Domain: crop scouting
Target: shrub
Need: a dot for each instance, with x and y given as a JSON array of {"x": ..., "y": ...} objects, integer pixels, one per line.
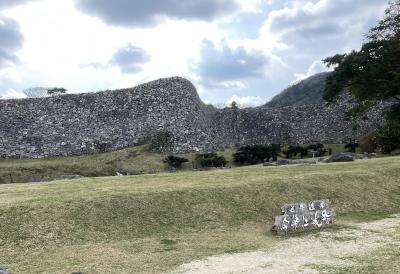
[
  {"x": 351, "y": 147},
  {"x": 368, "y": 143},
  {"x": 161, "y": 141},
  {"x": 319, "y": 148},
  {"x": 293, "y": 151},
  {"x": 211, "y": 160},
  {"x": 101, "y": 146},
  {"x": 175, "y": 162},
  {"x": 388, "y": 137},
  {"x": 256, "y": 154}
]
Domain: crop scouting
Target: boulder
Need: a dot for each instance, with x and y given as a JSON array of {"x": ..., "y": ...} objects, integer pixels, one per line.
[
  {"x": 322, "y": 159},
  {"x": 341, "y": 157},
  {"x": 395, "y": 152}
]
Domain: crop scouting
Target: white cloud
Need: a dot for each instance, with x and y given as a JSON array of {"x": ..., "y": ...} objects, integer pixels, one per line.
[
  {"x": 151, "y": 12},
  {"x": 246, "y": 101},
  {"x": 292, "y": 35},
  {"x": 314, "y": 68},
  {"x": 13, "y": 94}
]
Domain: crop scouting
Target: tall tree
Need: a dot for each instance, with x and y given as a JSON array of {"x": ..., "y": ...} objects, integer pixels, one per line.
[{"x": 373, "y": 73}]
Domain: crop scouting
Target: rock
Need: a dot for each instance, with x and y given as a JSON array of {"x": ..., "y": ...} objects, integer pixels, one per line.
[
  {"x": 122, "y": 173},
  {"x": 322, "y": 159},
  {"x": 4, "y": 270},
  {"x": 341, "y": 157},
  {"x": 361, "y": 155},
  {"x": 395, "y": 152},
  {"x": 283, "y": 162}
]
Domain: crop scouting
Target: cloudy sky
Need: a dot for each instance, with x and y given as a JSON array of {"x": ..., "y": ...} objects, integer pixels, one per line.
[{"x": 242, "y": 50}]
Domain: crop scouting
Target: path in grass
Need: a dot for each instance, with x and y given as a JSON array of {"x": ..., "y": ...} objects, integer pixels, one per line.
[{"x": 324, "y": 252}]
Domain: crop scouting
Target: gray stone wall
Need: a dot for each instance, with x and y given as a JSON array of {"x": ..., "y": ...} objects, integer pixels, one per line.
[{"x": 75, "y": 124}]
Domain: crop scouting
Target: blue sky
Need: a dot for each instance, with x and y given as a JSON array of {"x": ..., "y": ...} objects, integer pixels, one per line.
[{"x": 242, "y": 50}]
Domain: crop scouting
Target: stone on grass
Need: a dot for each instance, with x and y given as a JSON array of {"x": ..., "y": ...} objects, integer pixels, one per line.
[{"x": 395, "y": 152}]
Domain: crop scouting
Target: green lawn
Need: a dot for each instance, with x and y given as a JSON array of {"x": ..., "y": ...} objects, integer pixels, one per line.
[
  {"x": 153, "y": 223},
  {"x": 135, "y": 160}
]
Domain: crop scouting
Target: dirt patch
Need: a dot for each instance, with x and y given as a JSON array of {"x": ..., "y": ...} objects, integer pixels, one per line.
[{"x": 298, "y": 255}]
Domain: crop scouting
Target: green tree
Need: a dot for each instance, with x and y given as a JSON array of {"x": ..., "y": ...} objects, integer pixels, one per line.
[
  {"x": 257, "y": 154},
  {"x": 319, "y": 148},
  {"x": 211, "y": 160},
  {"x": 351, "y": 147},
  {"x": 174, "y": 161},
  {"x": 373, "y": 73}
]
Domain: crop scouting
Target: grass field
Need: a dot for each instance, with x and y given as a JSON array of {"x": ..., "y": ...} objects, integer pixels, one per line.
[
  {"x": 135, "y": 160},
  {"x": 153, "y": 223}
]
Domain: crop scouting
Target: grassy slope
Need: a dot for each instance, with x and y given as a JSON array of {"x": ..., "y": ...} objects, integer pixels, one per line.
[
  {"x": 156, "y": 222},
  {"x": 136, "y": 160}
]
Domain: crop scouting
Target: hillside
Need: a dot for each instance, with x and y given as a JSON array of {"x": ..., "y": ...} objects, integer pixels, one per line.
[
  {"x": 154, "y": 223},
  {"x": 306, "y": 92}
]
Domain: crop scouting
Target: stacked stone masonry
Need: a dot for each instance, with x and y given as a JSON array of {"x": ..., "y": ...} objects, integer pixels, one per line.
[{"x": 75, "y": 124}]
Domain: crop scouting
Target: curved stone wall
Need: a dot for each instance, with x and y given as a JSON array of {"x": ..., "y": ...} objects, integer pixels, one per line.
[{"x": 75, "y": 124}]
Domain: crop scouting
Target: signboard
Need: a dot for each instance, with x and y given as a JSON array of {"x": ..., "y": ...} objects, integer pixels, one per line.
[{"x": 304, "y": 216}]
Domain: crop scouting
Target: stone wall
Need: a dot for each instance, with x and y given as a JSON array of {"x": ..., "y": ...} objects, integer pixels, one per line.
[{"x": 75, "y": 124}]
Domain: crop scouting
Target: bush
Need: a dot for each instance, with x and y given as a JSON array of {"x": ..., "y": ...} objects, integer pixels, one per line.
[
  {"x": 368, "y": 143},
  {"x": 161, "y": 141},
  {"x": 256, "y": 154},
  {"x": 175, "y": 162},
  {"x": 211, "y": 160},
  {"x": 388, "y": 137},
  {"x": 351, "y": 147},
  {"x": 319, "y": 148},
  {"x": 293, "y": 151},
  {"x": 101, "y": 146}
]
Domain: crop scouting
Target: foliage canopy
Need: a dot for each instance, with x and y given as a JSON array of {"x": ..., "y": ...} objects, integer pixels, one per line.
[{"x": 372, "y": 73}]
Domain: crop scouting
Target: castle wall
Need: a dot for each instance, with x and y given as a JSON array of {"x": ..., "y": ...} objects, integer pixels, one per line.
[{"x": 75, "y": 124}]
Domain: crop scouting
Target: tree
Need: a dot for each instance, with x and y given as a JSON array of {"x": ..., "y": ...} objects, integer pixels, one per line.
[
  {"x": 234, "y": 105},
  {"x": 373, "y": 73},
  {"x": 319, "y": 148},
  {"x": 257, "y": 154},
  {"x": 211, "y": 160},
  {"x": 292, "y": 151},
  {"x": 175, "y": 162},
  {"x": 275, "y": 150},
  {"x": 351, "y": 147}
]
